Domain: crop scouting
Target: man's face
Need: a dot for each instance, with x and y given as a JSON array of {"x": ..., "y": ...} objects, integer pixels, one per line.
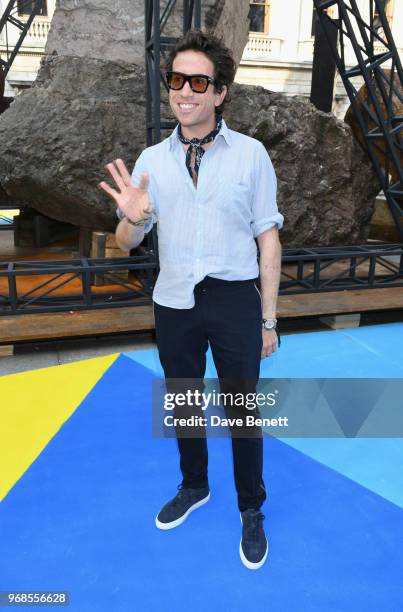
[{"x": 195, "y": 111}]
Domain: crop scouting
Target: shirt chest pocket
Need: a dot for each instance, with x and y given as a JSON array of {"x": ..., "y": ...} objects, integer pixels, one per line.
[{"x": 235, "y": 198}]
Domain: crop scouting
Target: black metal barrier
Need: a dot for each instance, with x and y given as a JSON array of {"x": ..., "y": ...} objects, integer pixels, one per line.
[
  {"x": 307, "y": 270},
  {"x": 39, "y": 298}
]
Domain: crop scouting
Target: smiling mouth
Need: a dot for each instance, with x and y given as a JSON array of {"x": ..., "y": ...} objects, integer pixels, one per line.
[{"x": 186, "y": 107}]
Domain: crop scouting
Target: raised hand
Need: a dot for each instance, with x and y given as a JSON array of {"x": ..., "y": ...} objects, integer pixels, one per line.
[{"x": 133, "y": 201}]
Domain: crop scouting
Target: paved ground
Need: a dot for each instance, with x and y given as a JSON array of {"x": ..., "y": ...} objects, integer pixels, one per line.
[
  {"x": 80, "y": 451},
  {"x": 37, "y": 355}
]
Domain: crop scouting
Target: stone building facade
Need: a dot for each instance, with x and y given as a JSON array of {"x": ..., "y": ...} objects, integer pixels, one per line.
[{"x": 278, "y": 55}]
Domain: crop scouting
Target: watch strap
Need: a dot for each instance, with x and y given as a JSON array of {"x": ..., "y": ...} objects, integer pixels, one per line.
[{"x": 272, "y": 323}]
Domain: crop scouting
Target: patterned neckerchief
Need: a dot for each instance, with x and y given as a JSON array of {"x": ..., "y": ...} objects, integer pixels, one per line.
[{"x": 195, "y": 147}]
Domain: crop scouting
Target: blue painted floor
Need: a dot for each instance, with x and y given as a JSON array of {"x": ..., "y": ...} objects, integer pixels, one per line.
[{"x": 81, "y": 519}]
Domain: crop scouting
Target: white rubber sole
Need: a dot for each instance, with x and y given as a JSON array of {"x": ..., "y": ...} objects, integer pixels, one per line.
[
  {"x": 183, "y": 518},
  {"x": 248, "y": 564}
]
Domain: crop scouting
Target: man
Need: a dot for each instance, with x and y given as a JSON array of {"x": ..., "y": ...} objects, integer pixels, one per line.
[{"x": 212, "y": 191}]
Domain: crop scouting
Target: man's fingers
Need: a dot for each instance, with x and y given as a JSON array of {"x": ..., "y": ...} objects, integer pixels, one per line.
[
  {"x": 269, "y": 350},
  {"x": 112, "y": 192},
  {"x": 124, "y": 173},
  {"x": 143, "y": 181},
  {"x": 269, "y": 346},
  {"x": 115, "y": 174}
]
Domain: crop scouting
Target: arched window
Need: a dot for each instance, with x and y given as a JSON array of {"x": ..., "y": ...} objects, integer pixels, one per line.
[
  {"x": 25, "y": 7},
  {"x": 259, "y": 12}
]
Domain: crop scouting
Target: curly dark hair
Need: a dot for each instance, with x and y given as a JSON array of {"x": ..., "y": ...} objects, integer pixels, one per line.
[{"x": 216, "y": 51}]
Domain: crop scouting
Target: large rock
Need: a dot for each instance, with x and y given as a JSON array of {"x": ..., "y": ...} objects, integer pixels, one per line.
[
  {"x": 79, "y": 115},
  {"x": 85, "y": 110},
  {"x": 87, "y": 105},
  {"x": 326, "y": 184},
  {"x": 114, "y": 31},
  {"x": 82, "y": 113}
]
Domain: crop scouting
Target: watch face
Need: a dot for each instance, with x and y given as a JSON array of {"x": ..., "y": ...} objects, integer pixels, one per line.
[{"x": 269, "y": 324}]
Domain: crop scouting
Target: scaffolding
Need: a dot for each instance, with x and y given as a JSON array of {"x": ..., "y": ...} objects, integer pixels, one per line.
[
  {"x": 11, "y": 17},
  {"x": 377, "y": 115}
]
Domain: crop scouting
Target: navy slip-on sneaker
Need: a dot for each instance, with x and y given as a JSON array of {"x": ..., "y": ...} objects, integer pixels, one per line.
[
  {"x": 253, "y": 548},
  {"x": 178, "y": 509}
]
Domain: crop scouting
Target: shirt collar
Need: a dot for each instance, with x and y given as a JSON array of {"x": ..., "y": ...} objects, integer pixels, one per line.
[{"x": 224, "y": 132}]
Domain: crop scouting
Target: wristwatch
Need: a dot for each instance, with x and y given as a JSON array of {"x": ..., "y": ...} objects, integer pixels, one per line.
[{"x": 269, "y": 323}]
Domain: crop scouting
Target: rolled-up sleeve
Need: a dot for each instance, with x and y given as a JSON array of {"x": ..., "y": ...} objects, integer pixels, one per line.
[
  {"x": 264, "y": 204},
  {"x": 139, "y": 168}
]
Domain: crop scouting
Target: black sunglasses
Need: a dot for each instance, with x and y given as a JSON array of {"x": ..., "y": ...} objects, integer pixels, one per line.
[{"x": 198, "y": 82}]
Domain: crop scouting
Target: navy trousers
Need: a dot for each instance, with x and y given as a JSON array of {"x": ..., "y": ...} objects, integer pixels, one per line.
[{"x": 227, "y": 315}]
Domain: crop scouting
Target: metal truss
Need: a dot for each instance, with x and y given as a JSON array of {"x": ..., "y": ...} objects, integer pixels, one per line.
[
  {"x": 156, "y": 19},
  {"x": 377, "y": 117},
  {"x": 304, "y": 271},
  {"x": 10, "y": 16},
  {"x": 325, "y": 269},
  {"x": 155, "y": 45},
  {"x": 57, "y": 274}
]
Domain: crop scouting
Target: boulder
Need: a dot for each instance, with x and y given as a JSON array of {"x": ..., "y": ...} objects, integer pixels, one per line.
[
  {"x": 114, "y": 31},
  {"x": 59, "y": 134},
  {"x": 326, "y": 184},
  {"x": 87, "y": 107}
]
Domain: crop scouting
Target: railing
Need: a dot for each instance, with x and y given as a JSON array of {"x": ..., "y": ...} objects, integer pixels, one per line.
[
  {"x": 39, "y": 30},
  {"x": 49, "y": 280},
  {"x": 14, "y": 28},
  {"x": 323, "y": 269},
  {"x": 305, "y": 270},
  {"x": 262, "y": 46},
  {"x": 36, "y": 35}
]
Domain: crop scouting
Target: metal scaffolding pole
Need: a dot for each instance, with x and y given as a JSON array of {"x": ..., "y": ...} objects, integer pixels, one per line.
[
  {"x": 155, "y": 44},
  {"x": 380, "y": 125},
  {"x": 10, "y": 17}
]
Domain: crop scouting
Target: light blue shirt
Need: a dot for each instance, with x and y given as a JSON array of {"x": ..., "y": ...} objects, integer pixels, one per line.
[{"x": 208, "y": 230}]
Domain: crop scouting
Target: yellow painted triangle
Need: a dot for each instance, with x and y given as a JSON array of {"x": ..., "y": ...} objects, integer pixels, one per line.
[
  {"x": 9, "y": 214},
  {"x": 33, "y": 407}
]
